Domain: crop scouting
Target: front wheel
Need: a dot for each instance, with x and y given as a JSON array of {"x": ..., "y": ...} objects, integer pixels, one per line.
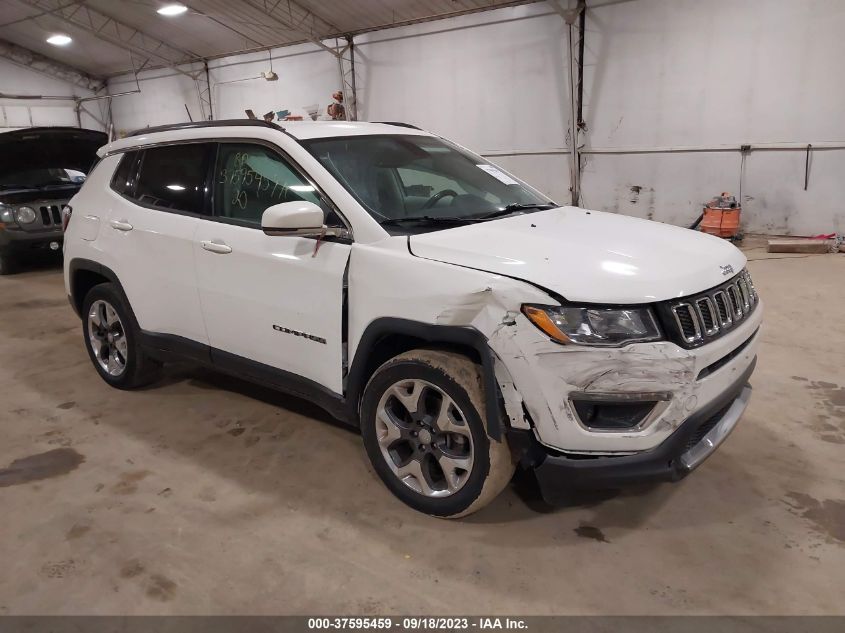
[
  {"x": 7, "y": 265},
  {"x": 423, "y": 429}
]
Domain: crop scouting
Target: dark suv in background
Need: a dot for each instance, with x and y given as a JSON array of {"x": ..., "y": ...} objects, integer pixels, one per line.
[{"x": 40, "y": 170}]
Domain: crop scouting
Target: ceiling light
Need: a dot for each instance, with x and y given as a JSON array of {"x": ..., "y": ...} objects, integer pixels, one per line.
[
  {"x": 59, "y": 40},
  {"x": 172, "y": 9}
]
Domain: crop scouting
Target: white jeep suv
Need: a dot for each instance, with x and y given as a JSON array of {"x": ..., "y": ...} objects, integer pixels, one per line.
[{"x": 465, "y": 322}]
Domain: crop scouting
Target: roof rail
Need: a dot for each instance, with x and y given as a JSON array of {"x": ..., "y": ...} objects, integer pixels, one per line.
[
  {"x": 399, "y": 124},
  {"x": 202, "y": 124}
]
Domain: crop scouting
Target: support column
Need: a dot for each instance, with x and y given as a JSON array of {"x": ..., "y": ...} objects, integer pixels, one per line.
[
  {"x": 575, "y": 39},
  {"x": 346, "y": 66},
  {"x": 203, "y": 83}
]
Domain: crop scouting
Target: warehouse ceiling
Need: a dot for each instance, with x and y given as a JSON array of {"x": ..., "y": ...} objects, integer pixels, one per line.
[{"x": 114, "y": 36}]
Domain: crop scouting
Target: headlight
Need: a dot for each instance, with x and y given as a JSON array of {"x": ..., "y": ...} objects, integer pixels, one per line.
[
  {"x": 594, "y": 325},
  {"x": 25, "y": 215},
  {"x": 6, "y": 215}
]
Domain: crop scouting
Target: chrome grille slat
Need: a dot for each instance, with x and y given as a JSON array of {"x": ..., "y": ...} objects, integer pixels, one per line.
[
  {"x": 751, "y": 289},
  {"x": 725, "y": 317},
  {"x": 687, "y": 321},
  {"x": 746, "y": 296},
  {"x": 706, "y": 316},
  {"x": 736, "y": 304},
  {"x": 707, "y": 313}
]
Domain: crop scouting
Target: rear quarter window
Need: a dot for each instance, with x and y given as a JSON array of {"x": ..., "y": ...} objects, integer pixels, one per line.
[{"x": 121, "y": 182}]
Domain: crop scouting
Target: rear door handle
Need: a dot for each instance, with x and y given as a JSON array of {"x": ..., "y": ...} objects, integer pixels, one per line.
[
  {"x": 215, "y": 246},
  {"x": 121, "y": 225}
]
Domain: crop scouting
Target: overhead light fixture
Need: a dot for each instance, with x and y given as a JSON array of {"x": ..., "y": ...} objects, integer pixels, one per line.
[
  {"x": 270, "y": 75},
  {"x": 59, "y": 39},
  {"x": 171, "y": 10}
]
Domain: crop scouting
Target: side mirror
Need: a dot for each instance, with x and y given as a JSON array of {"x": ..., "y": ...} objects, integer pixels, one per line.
[
  {"x": 298, "y": 219},
  {"x": 291, "y": 218}
]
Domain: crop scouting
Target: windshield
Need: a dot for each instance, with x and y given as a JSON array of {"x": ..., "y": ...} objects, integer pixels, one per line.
[
  {"x": 41, "y": 178},
  {"x": 402, "y": 180}
]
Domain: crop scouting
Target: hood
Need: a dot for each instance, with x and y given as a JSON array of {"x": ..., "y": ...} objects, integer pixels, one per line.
[
  {"x": 47, "y": 147},
  {"x": 589, "y": 256},
  {"x": 38, "y": 195}
]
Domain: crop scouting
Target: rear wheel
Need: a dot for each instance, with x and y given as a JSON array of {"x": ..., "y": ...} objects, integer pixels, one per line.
[
  {"x": 111, "y": 339},
  {"x": 423, "y": 429}
]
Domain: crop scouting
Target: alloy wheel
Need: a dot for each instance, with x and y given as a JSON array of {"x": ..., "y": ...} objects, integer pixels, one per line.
[
  {"x": 424, "y": 437},
  {"x": 107, "y": 338}
]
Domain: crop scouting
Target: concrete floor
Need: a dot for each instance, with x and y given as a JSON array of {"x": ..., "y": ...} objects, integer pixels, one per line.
[{"x": 206, "y": 495}]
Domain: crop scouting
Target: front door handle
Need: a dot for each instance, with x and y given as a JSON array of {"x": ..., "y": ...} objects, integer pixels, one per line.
[
  {"x": 215, "y": 246},
  {"x": 121, "y": 225}
]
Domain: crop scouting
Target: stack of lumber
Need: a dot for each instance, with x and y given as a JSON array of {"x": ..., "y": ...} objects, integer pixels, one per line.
[{"x": 800, "y": 245}]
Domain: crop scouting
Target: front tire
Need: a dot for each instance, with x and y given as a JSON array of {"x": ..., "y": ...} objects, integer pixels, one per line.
[
  {"x": 7, "y": 265},
  {"x": 112, "y": 339},
  {"x": 425, "y": 434}
]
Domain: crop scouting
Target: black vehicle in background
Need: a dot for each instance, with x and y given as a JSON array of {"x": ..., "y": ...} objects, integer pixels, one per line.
[{"x": 40, "y": 170}]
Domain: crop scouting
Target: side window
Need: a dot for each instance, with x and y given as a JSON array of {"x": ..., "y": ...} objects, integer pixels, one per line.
[
  {"x": 173, "y": 177},
  {"x": 250, "y": 178},
  {"x": 125, "y": 172}
]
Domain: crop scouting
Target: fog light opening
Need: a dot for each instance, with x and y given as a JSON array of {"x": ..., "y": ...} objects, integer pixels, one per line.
[{"x": 612, "y": 412}]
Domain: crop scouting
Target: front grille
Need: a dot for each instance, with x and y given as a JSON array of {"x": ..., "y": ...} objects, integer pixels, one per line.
[
  {"x": 51, "y": 214},
  {"x": 701, "y": 318}
]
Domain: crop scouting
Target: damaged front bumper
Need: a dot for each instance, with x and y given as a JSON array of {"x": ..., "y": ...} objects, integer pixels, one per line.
[
  {"x": 695, "y": 439},
  {"x": 548, "y": 382},
  {"x": 694, "y": 399}
]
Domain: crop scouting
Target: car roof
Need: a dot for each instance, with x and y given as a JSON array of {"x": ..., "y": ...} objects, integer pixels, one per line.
[
  {"x": 300, "y": 130},
  {"x": 327, "y": 129}
]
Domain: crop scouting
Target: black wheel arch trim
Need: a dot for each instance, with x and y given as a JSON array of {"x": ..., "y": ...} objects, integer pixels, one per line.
[
  {"x": 431, "y": 334},
  {"x": 77, "y": 264}
]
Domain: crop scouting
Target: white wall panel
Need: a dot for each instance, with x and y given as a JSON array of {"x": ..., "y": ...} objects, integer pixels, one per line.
[
  {"x": 491, "y": 81},
  {"x": 665, "y": 187},
  {"x": 548, "y": 172},
  {"x": 688, "y": 73},
  {"x": 162, "y": 100},
  {"x": 657, "y": 73},
  {"x": 777, "y": 203},
  {"x": 307, "y": 76},
  {"x": 16, "y": 113}
]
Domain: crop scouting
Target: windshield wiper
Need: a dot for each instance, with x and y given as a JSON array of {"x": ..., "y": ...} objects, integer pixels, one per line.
[
  {"x": 513, "y": 208},
  {"x": 426, "y": 219},
  {"x": 14, "y": 185},
  {"x": 59, "y": 185}
]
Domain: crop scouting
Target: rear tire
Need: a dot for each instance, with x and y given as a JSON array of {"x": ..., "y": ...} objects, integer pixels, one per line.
[
  {"x": 424, "y": 431},
  {"x": 112, "y": 339}
]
